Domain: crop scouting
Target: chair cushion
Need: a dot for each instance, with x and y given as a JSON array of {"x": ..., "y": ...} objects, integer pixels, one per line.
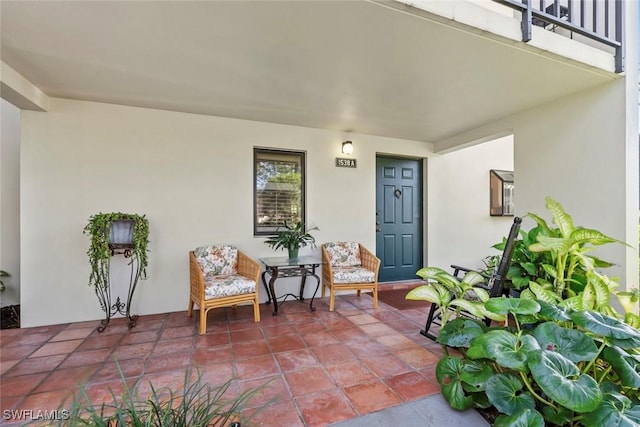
[
  {"x": 344, "y": 254},
  {"x": 222, "y": 259},
  {"x": 353, "y": 275},
  {"x": 217, "y": 286}
]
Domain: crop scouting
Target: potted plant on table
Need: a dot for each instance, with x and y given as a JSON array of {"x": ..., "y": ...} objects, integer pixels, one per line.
[{"x": 292, "y": 238}]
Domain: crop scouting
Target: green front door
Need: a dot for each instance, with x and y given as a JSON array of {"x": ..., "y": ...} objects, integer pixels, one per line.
[{"x": 398, "y": 218}]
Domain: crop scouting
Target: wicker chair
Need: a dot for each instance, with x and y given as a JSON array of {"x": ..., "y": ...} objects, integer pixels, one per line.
[
  {"x": 222, "y": 276},
  {"x": 349, "y": 266}
]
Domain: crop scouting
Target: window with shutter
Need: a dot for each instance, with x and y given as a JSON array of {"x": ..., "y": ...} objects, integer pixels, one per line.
[{"x": 279, "y": 194}]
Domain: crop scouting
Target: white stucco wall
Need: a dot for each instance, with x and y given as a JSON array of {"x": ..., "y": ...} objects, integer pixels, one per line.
[
  {"x": 10, "y": 202},
  {"x": 190, "y": 174},
  {"x": 588, "y": 149},
  {"x": 461, "y": 231}
]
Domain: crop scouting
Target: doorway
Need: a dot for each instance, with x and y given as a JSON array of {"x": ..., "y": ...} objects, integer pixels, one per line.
[{"x": 399, "y": 217}]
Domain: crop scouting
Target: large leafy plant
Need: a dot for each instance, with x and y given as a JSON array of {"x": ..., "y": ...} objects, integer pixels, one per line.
[{"x": 567, "y": 367}]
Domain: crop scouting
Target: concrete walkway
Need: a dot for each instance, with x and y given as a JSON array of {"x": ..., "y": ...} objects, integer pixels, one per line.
[{"x": 429, "y": 411}]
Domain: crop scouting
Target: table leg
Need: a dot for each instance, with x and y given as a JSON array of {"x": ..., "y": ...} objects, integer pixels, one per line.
[
  {"x": 274, "y": 276},
  {"x": 264, "y": 282},
  {"x": 313, "y": 274},
  {"x": 303, "y": 279}
]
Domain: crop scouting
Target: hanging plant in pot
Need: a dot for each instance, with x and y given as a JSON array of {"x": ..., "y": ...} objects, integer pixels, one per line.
[
  {"x": 112, "y": 234},
  {"x": 292, "y": 238}
]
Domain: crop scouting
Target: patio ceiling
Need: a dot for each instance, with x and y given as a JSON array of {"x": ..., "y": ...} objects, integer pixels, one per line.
[{"x": 355, "y": 66}]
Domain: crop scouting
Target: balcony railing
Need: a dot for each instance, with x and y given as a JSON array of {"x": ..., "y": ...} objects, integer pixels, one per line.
[{"x": 598, "y": 20}]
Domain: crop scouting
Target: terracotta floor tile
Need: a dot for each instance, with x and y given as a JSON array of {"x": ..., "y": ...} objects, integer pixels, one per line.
[
  {"x": 336, "y": 324},
  {"x": 115, "y": 327},
  {"x": 9, "y": 402},
  {"x": 179, "y": 318},
  {"x": 277, "y": 331},
  {"x": 93, "y": 324},
  {"x": 387, "y": 365},
  {"x": 350, "y": 334},
  {"x": 212, "y": 339},
  {"x": 168, "y": 362},
  {"x": 377, "y": 329},
  {"x": 110, "y": 370},
  {"x": 177, "y": 332},
  {"x": 205, "y": 356},
  {"x": 20, "y": 386},
  {"x": 218, "y": 373},
  {"x": 371, "y": 396},
  {"x": 418, "y": 357},
  {"x": 256, "y": 367},
  {"x": 99, "y": 393},
  {"x": 179, "y": 345},
  {"x": 34, "y": 365},
  {"x": 306, "y": 381},
  {"x": 99, "y": 341},
  {"x": 269, "y": 389},
  {"x": 296, "y": 360},
  {"x": 243, "y": 323},
  {"x": 72, "y": 334},
  {"x": 325, "y": 408},
  {"x": 47, "y": 401},
  {"x": 63, "y": 379},
  {"x": 365, "y": 348},
  {"x": 162, "y": 382},
  {"x": 396, "y": 341},
  {"x": 363, "y": 319},
  {"x": 246, "y": 335},
  {"x": 140, "y": 337},
  {"x": 84, "y": 358},
  {"x": 286, "y": 343},
  {"x": 350, "y": 373},
  {"x": 244, "y": 350},
  {"x": 5, "y": 365},
  {"x": 18, "y": 352},
  {"x": 411, "y": 386},
  {"x": 404, "y": 326},
  {"x": 320, "y": 338},
  {"x": 275, "y": 415},
  {"x": 29, "y": 338},
  {"x": 63, "y": 347},
  {"x": 301, "y": 317},
  {"x": 309, "y": 328},
  {"x": 133, "y": 351},
  {"x": 149, "y": 324},
  {"x": 332, "y": 354}
]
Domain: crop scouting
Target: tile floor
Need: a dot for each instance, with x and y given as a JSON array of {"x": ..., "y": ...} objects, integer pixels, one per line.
[{"x": 323, "y": 367}]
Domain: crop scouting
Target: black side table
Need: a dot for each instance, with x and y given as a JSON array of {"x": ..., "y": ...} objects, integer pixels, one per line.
[{"x": 277, "y": 267}]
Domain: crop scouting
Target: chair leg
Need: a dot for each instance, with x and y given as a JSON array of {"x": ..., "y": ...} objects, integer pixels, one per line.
[
  {"x": 323, "y": 290},
  {"x": 190, "y": 308},
  {"x": 425, "y": 331},
  {"x": 203, "y": 321},
  {"x": 375, "y": 297},
  {"x": 256, "y": 311},
  {"x": 358, "y": 292},
  {"x": 332, "y": 299}
]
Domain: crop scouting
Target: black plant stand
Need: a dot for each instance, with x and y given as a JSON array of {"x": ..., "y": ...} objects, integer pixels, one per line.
[{"x": 104, "y": 294}]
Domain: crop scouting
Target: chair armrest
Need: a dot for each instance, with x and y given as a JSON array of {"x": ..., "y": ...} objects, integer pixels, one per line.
[
  {"x": 248, "y": 267},
  {"x": 327, "y": 270},
  {"x": 369, "y": 260},
  {"x": 196, "y": 276},
  {"x": 457, "y": 269}
]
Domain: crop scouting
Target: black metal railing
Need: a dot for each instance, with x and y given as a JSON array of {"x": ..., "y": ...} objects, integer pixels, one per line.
[{"x": 598, "y": 20}]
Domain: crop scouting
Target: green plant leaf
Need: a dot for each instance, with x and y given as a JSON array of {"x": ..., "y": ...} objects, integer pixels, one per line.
[
  {"x": 553, "y": 312},
  {"x": 524, "y": 418},
  {"x": 473, "y": 308},
  {"x": 429, "y": 272},
  {"x": 627, "y": 366},
  {"x": 572, "y": 304},
  {"x": 629, "y": 299},
  {"x": 553, "y": 244},
  {"x": 541, "y": 224},
  {"x": 559, "y": 416},
  {"x": 572, "y": 344},
  {"x": 560, "y": 379},
  {"x": 501, "y": 346},
  {"x": 460, "y": 332},
  {"x": 615, "y": 410},
  {"x": 543, "y": 294},
  {"x": 502, "y": 305},
  {"x": 594, "y": 237},
  {"x": 504, "y": 392},
  {"x": 473, "y": 278},
  {"x": 474, "y": 375},
  {"x": 616, "y": 331},
  {"x": 560, "y": 217},
  {"x": 448, "y": 372},
  {"x": 433, "y": 292}
]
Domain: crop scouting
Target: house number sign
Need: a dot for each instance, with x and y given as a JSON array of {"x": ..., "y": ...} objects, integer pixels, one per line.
[{"x": 342, "y": 162}]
